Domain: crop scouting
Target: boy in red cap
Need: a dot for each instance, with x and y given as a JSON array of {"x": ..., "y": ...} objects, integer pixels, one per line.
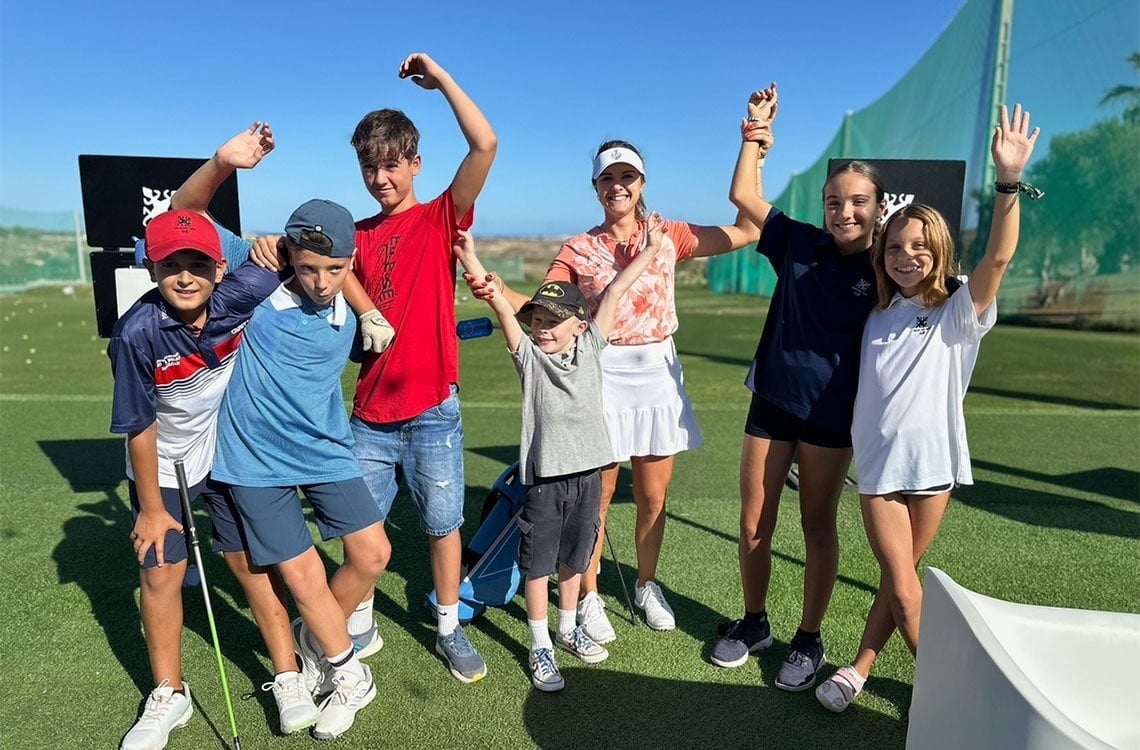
[{"x": 172, "y": 355}]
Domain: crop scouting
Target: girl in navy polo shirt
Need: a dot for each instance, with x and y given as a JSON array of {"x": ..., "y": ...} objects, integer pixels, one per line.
[{"x": 803, "y": 380}]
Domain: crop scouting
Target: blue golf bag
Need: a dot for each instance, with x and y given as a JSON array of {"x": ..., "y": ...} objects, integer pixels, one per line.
[{"x": 491, "y": 558}]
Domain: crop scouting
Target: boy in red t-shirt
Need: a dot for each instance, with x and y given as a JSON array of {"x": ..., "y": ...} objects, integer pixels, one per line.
[{"x": 406, "y": 409}]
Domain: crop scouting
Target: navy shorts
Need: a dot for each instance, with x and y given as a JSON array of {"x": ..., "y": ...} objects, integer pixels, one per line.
[
  {"x": 559, "y": 523},
  {"x": 766, "y": 420},
  {"x": 225, "y": 528},
  {"x": 275, "y": 522}
]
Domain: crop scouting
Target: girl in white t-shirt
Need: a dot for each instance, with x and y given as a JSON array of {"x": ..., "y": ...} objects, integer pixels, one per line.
[{"x": 909, "y": 434}]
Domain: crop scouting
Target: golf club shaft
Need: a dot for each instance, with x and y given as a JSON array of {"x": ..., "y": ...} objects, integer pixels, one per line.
[
  {"x": 613, "y": 554},
  {"x": 188, "y": 522}
]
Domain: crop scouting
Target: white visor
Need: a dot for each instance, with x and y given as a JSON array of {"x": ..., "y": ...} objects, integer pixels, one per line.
[{"x": 617, "y": 155}]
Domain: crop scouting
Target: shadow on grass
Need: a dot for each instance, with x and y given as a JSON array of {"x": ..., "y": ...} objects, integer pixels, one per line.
[
  {"x": 94, "y": 552},
  {"x": 1049, "y": 510},
  {"x": 600, "y": 708},
  {"x": 1041, "y": 398},
  {"x": 1122, "y": 484}
]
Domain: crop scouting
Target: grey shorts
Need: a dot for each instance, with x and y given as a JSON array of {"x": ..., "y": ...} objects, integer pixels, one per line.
[{"x": 559, "y": 523}]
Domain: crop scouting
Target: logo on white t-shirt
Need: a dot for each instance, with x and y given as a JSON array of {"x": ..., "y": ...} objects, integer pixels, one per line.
[{"x": 920, "y": 325}]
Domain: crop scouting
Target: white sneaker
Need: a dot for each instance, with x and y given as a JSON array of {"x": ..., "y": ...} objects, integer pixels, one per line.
[
  {"x": 165, "y": 711},
  {"x": 295, "y": 705},
  {"x": 314, "y": 665},
  {"x": 592, "y": 615},
  {"x": 658, "y": 613},
  {"x": 338, "y": 711},
  {"x": 582, "y": 646},
  {"x": 544, "y": 672}
]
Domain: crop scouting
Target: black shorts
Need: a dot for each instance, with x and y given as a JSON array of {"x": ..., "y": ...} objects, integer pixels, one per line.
[
  {"x": 766, "y": 420},
  {"x": 559, "y": 523}
]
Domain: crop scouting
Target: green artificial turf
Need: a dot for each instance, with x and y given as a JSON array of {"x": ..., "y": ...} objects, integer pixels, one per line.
[{"x": 1054, "y": 423}]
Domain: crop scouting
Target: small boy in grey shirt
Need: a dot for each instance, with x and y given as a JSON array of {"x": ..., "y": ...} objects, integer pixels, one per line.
[{"x": 563, "y": 443}]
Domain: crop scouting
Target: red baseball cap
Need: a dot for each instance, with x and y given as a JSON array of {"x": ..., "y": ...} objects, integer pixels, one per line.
[{"x": 172, "y": 231}]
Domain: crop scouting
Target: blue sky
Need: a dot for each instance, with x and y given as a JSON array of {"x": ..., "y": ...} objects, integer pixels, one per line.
[{"x": 555, "y": 80}]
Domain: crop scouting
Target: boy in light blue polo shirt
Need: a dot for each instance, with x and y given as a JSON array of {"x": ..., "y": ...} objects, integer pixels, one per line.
[{"x": 283, "y": 425}]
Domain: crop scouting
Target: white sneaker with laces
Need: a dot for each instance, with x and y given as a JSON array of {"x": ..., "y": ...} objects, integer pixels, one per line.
[
  {"x": 165, "y": 711},
  {"x": 295, "y": 706},
  {"x": 581, "y": 645},
  {"x": 592, "y": 615},
  {"x": 658, "y": 613},
  {"x": 544, "y": 672},
  {"x": 338, "y": 711}
]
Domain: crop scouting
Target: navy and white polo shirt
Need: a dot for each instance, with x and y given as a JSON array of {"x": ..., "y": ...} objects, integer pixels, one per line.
[{"x": 169, "y": 374}]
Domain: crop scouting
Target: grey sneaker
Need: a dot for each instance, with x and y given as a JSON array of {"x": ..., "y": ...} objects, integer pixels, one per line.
[
  {"x": 800, "y": 665},
  {"x": 463, "y": 661},
  {"x": 581, "y": 645},
  {"x": 295, "y": 706},
  {"x": 592, "y": 615},
  {"x": 315, "y": 668},
  {"x": 367, "y": 643},
  {"x": 544, "y": 672},
  {"x": 338, "y": 711},
  {"x": 165, "y": 711},
  {"x": 738, "y": 640},
  {"x": 658, "y": 613}
]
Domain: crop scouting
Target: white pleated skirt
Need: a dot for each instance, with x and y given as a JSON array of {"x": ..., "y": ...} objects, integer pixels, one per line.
[{"x": 646, "y": 408}]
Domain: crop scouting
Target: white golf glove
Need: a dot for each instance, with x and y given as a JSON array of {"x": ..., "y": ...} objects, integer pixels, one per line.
[{"x": 375, "y": 332}]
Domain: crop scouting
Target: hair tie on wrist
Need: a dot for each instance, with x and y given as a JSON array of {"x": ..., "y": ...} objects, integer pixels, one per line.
[{"x": 1012, "y": 188}]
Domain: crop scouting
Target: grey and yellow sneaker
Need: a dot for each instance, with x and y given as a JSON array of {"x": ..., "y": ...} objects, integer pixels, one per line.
[{"x": 463, "y": 661}]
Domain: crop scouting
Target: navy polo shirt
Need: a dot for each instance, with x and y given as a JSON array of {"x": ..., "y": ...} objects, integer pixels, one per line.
[
  {"x": 169, "y": 373},
  {"x": 807, "y": 361}
]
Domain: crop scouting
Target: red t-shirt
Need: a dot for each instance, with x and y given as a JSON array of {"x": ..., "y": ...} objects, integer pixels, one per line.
[{"x": 404, "y": 262}]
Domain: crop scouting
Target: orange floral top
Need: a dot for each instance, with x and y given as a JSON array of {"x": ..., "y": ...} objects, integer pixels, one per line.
[{"x": 647, "y": 313}]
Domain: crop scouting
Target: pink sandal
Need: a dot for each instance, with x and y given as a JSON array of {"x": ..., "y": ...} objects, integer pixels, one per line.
[{"x": 837, "y": 693}]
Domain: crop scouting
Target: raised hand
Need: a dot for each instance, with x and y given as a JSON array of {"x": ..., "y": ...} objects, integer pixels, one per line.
[
  {"x": 423, "y": 70},
  {"x": 763, "y": 105},
  {"x": 247, "y": 148},
  {"x": 463, "y": 247},
  {"x": 1012, "y": 144}
]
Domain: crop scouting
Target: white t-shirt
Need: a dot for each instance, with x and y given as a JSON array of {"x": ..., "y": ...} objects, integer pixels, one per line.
[{"x": 909, "y": 430}]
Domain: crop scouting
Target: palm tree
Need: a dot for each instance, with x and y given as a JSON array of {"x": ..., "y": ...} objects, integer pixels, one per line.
[{"x": 1130, "y": 94}]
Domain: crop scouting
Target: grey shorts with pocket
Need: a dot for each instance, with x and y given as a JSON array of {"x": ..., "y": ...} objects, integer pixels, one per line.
[{"x": 559, "y": 523}]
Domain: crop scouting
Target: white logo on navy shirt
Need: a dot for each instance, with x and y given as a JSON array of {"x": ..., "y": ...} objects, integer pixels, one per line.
[
  {"x": 170, "y": 360},
  {"x": 861, "y": 288}
]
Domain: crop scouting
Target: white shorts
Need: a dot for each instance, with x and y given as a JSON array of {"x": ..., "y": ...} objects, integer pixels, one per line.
[{"x": 646, "y": 408}]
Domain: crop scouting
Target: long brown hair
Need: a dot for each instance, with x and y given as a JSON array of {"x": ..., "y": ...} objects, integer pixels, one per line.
[
  {"x": 868, "y": 171},
  {"x": 932, "y": 290}
]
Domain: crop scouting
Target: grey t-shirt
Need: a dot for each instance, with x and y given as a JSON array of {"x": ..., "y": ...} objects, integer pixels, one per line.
[{"x": 563, "y": 431}]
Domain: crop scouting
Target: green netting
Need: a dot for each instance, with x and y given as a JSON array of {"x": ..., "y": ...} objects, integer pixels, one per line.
[
  {"x": 1075, "y": 67},
  {"x": 40, "y": 248}
]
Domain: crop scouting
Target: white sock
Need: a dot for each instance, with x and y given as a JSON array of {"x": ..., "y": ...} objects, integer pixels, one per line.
[
  {"x": 361, "y": 619},
  {"x": 447, "y": 618},
  {"x": 567, "y": 621},
  {"x": 539, "y": 635},
  {"x": 347, "y": 662}
]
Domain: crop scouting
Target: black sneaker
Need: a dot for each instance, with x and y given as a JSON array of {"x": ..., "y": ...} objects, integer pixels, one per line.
[
  {"x": 738, "y": 640},
  {"x": 800, "y": 665}
]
